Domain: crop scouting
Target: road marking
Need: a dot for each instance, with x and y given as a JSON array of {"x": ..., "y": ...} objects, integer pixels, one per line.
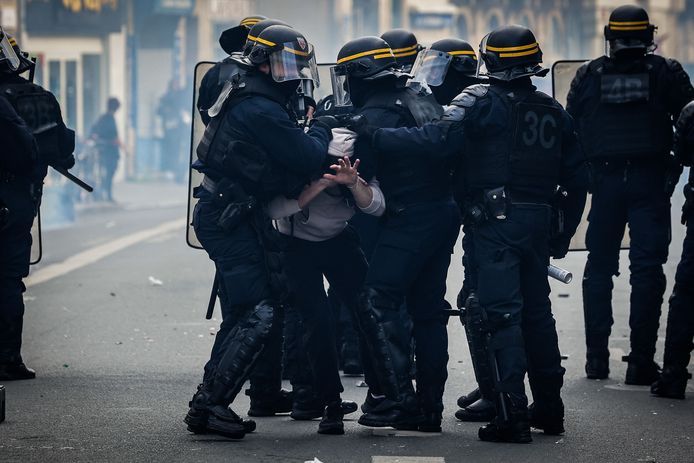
[
  {"x": 396, "y": 459},
  {"x": 390, "y": 432},
  {"x": 95, "y": 254}
]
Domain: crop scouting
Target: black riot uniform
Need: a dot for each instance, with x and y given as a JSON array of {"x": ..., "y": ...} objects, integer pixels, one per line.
[
  {"x": 680, "y": 322},
  {"x": 625, "y": 105},
  {"x": 405, "y": 47},
  {"x": 252, "y": 151},
  {"x": 33, "y": 136},
  {"x": 447, "y": 68},
  {"x": 266, "y": 393},
  {"x": 517, "y": 146},
  {"x": 410, "y": 261}
]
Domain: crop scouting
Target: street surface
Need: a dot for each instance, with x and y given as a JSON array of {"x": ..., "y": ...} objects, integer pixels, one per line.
[{"x": 115, "y": 329}]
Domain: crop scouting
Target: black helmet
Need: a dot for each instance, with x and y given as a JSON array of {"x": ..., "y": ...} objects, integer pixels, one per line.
[
  {"x": 511, "y": 52},
  {"x": 288, "y": 53},
  {"x": 629, "y": 29},
  {"x": 233, "y": 39},
  {"x": 257, "y": 29},
  {"x": 404, "y": 45},
  {"x": 365, "y": 58},
  {"x": 12, "y": 59}
]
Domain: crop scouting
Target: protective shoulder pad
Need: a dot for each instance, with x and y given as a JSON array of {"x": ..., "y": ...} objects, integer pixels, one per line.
[
  {"x": 681, "y": 78},
  {"x": 469, "y": 96}
]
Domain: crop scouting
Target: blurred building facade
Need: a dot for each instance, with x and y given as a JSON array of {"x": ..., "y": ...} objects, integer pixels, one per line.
[{"x": 136, "y": 50}]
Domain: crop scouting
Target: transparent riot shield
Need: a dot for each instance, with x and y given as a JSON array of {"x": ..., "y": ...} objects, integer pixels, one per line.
[
  {"x": 196, "y": 132},
  {"x": 36, "y": 243},
  {"x": 563, "y": 73},
  {"x": 324, "y": 89}
]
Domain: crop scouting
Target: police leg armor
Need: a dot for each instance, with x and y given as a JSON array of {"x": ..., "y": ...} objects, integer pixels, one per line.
[
  {"x": 507, "y": 362},
  {"x": 389, "y": 342},
  {"x": 209, "y": 409},
  {"x": 479, "y": 407}
]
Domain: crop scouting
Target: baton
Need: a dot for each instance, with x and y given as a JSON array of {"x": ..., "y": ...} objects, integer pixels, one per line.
[
  {"x": 77, "y": 181},
  {"x": 213, "y": 296},
  {"x": 560, "y": 274}
]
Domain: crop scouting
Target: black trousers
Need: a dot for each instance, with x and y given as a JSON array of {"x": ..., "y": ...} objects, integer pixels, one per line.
[
  {"x": 15, "y": 254},
  {"x": 341, "y": 261},
  {"x": 510, "y": 262},
  {"x": 680, "y": 320},
  {"x": 239, "y": 260},
  {"x": 634, "y": 195}
]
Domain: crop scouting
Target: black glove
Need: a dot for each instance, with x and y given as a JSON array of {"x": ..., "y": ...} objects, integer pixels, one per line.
[
  {"x": 331, "y": 122},
  {"x": 559, "y": 246},
  {"x": 66, "y": 163},
  {"x": 360, "y": 125}
]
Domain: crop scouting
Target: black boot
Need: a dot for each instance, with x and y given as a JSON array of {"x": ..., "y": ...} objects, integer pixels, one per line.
[
  {"x": 371, "y": 401},
  {"x": 270, "y": 404},
  {"x": 672, "y": 383},
  {"x": 332, "y": 419},
  {"x": 641, "y": 371},
  {"x": 469, "y": 398},
  {"x": 313, "y": 408},
  {"x": 205, "y": 417},
  {"x": 482, "y": 411},
  {"x": 15, "y": 371},
  {"x": 549, "y": 419},
  {"x": 514, "y": 427},
  {"x": 430, "y": 423},
  {"x": 597, "y": 368}
]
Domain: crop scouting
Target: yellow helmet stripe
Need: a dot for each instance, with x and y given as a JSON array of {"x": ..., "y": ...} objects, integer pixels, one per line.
[
  {"x": 463, "y": 52},
  {"x": 519, "y": 48},
  {"x": 519, "y": 53},
  {"x": 628, "y": 28},
  {"x": 13, "y": 42},
  {"x": 263, "y": 41},
  {"x": 385, "y": 51},
  {"x": 400, "y": 50},
  {"x": 628, "y": 23},
  {"x": 384, "y": 55},
  {"x": 401, "y": 55},
  {"x": 296, "y": 52}
]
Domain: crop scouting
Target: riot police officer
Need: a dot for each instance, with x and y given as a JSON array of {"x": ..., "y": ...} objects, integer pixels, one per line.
[
  {"x": 33, "y": 136},
  {"x": 517, "y": 145},
  {"x": 447, "y": 67},
  {"x": 410, "y": 261},
  {"x": 624, "y": 105},
  {"x": 252, "y": 151},
  {"x": 680, "y": 323},
  {"x": 405, "y": 47},
  {"x": 266, "y": 393}
]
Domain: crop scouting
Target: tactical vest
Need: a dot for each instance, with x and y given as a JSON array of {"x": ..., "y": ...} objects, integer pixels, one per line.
[
  {"x": 39, "y": 110},
  {"x": 232, "y": 154},
  {"x": 408, "y": 178},
  {"x": 626, "y": 118},
  {"x": 523, "y": 154}
]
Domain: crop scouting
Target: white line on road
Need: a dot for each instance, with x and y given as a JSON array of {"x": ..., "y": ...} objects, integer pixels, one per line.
[
  {"x": 395, "y": 459},
  {"x": 97, "y": 253}
]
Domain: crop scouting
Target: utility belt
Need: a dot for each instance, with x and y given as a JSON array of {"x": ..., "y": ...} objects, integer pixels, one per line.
[
  {"x": 401, "y": 203},
  {"x": 230, "y": 196},
  {"x": 495, "y": 204}
]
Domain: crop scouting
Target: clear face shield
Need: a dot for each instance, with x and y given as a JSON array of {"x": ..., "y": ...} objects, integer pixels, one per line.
[
  {"x": 481, "y": 68},
  {"x": 340, "y": 83},
  {"x": 7, "y": 53},
  {"x": 294, "y": 62},
  {"x": 431, "y": 67}
]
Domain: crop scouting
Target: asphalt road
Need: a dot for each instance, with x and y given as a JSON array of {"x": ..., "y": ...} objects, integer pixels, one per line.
[{"x": 115, "y": 329}]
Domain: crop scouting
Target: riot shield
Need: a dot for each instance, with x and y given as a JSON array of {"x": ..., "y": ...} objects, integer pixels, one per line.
[
  {"x": 36, "y": 243},
  {"x": 563, "y": 73},
  {"x": 196, "y": 132},
  {"x": 198, "y": 128}
]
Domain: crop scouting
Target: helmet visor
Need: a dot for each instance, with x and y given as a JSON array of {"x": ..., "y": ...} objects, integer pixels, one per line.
[
  {"x": 294, "y": 62},
  {"x": 340, "y": 83},
  {"x": 7, "y": 53},
  {"x": 431, "y": 67},
  {"x": 481, "y": 66}
]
